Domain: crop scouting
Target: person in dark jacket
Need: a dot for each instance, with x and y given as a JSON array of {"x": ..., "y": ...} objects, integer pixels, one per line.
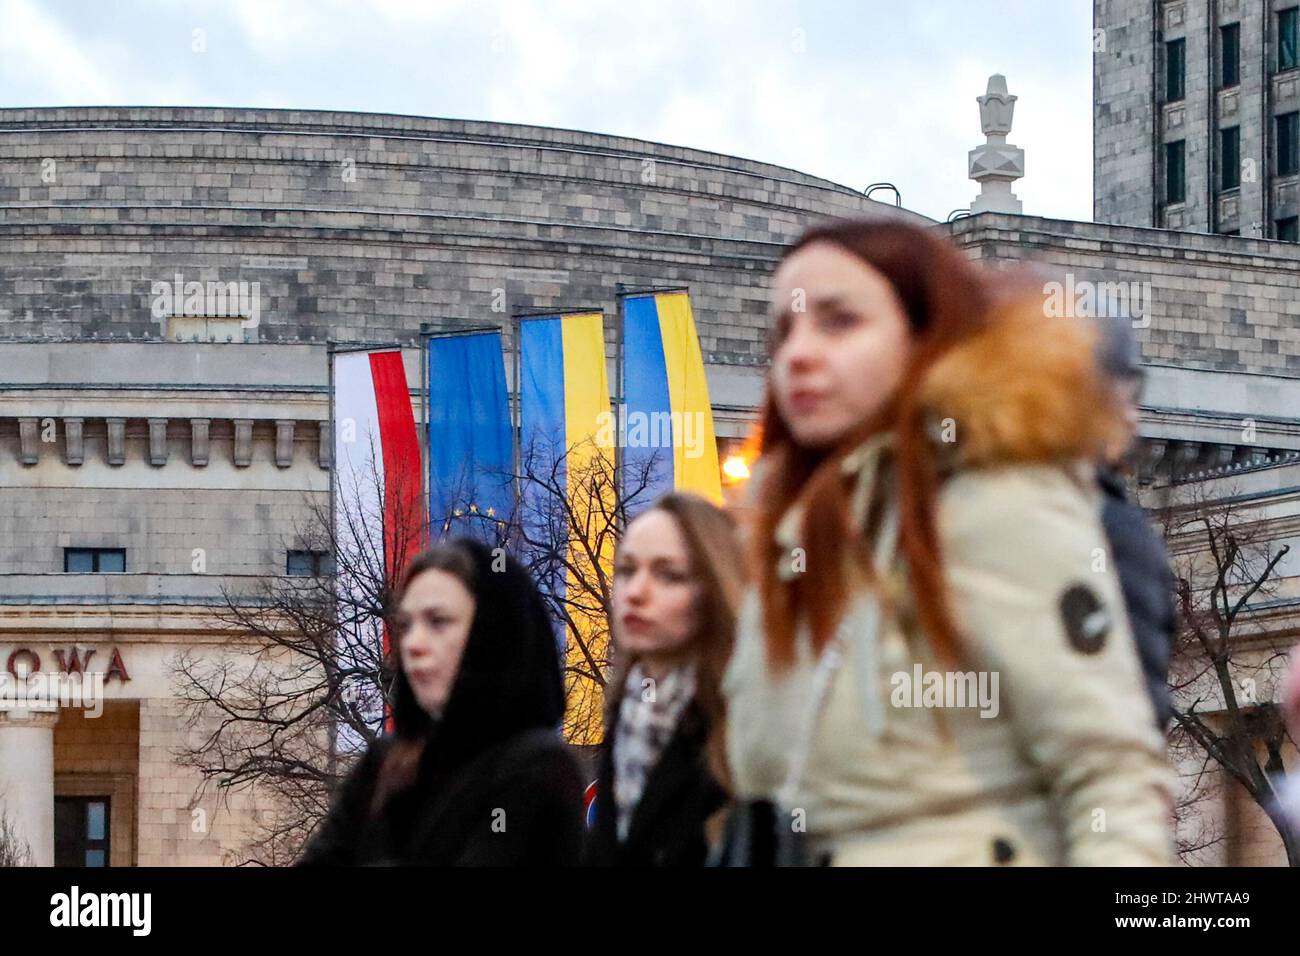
[
  {"x": 1138, "y": 553},
  {"x": 474, "y": 772},
  {"x": 660, "y": 792}
]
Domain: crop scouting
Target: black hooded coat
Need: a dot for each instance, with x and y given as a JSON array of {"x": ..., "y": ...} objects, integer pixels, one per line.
[{"x": 495, "y": 784}]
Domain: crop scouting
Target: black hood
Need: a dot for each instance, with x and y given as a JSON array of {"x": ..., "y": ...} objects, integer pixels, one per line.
[{"x": 509, "y": 679}]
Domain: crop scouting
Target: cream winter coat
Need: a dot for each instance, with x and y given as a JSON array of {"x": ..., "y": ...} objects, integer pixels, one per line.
[{"x": 1039, "y": 747}]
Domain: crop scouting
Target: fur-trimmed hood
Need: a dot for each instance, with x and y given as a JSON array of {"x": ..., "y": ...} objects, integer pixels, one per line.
[{"x": 1026, "y": 389}]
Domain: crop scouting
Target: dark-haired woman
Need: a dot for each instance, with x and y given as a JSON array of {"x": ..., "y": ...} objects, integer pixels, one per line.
[
  {"x": 474, "y": 772},
  {"x": 935, "y": 666},
  {"x": 676, "y": 586}
]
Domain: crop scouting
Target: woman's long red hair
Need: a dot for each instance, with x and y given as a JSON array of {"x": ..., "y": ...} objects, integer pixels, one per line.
[{"x": 945, "y": 301}]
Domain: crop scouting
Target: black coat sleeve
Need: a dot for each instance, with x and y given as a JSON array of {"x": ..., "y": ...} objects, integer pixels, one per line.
[
  {"x": 334, "y": 842},
  {"x": 1142, "y": 564},
  {"x": 532, "y": 815}
]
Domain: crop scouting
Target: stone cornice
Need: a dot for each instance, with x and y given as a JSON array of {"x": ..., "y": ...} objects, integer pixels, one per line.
[
  {"x": 269, "y": 124},
  {"x": 117, "y": 439},
  {"x": 1144, "y": 243}
]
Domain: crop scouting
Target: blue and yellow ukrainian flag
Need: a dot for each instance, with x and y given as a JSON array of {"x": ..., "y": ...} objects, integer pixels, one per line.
[
  {"x": 668, "y": 419},
  {"x": 567, "y": 438}
]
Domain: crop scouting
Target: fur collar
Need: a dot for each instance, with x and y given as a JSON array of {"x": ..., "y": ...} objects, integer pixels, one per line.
[{"x": 1027, "y": 389}]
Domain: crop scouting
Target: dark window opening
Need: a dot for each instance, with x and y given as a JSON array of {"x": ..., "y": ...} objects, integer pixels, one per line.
[
  {"x": 1230, "y": 55},
  {"x": 1288, "y": 144},
  {"x": 309, "y": 564},
  {"x": 1288, "y": 229},
  {"x": 1230, "y": 158},
  {"x": 81, "y": 826},
  {"x": 1175, "y": 185},
  {"x": 1287, "y": 21},
  {"x": 1175, "y": 69},
  {"x": 94, "y": 560}
]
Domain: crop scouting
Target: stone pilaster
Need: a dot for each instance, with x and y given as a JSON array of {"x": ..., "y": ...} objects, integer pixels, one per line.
[{"x": 27, "y": 769}]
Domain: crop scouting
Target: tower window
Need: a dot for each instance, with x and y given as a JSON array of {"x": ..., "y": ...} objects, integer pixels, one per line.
[
  {"x": 1175, "y": 69},
  {"x": 1230, "y": 54},
  {"x": 1230, "y": 158},
  {"x": 1175, "y": 184},
  {"x": 1288, "y": 144},
  {"x": 1287, "y": 21}
]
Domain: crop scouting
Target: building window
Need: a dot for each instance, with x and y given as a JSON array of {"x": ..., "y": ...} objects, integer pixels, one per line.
[
  {"x": 1175, "y": 190},
  {"x": 1230, "y": 55},
  {"x": 81, "y": 831},
  {"x": 1288, "y": 229},
  {"x": 309, "y": 564},
  {"x": 1175, "y": 69},
  {"x": 1230, "y": 158},
  {"x": 1287, "y": 21},
  {"x": 187, "y": 328},
  {"x": 94, "y": 560},
  {"x": 1288, "y": 144}
]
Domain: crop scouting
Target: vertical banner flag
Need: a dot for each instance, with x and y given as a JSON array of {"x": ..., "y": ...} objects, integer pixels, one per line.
[
  {"x": 567, "y": 460},
  {"x": 379, "y": 522},
  {"x": 471, "y": 445},
  {"x": 668, "y": 438}
]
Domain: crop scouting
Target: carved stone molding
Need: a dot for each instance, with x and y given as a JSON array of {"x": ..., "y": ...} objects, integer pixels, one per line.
[
  {"x": 243, "y": 456},
  {"x": 158, "y": 442},
  {"x": 199, "y": 441},
  {"x": 74, "y": 446},
  {"x": 124, "y": 437},
  {"x": 284, "y": 442},
  {"x": 1161, "y": 461},
  {"x": 28, "y": 440},
  {"x": 325, "y": 450},
  {"x": 116, "y": 447}
]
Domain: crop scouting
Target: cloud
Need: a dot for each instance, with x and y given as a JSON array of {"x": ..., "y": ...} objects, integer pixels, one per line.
[
  {"x": 35, "y": 46},
  {"x": 856, "y": 92}
]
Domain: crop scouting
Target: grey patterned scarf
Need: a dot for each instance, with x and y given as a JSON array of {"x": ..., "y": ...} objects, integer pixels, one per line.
[{"x": 647, "y": 719}]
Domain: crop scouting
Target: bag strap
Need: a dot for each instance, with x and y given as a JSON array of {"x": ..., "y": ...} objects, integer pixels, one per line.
[{"x": 829, "y": 662}]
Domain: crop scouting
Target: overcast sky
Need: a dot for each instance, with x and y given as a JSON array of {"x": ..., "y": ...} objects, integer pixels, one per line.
[{"x": 856, "y": 91}]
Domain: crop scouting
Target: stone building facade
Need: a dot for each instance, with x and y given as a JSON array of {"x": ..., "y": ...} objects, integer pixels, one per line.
[
  {"x": 1196, "y": 128},
  {"x": 1194, "y": 115},
  {"x": 153, "y": 457},
  {"x": 1218, "y": 319}
]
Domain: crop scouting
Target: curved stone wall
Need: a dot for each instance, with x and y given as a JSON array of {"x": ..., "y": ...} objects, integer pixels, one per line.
[{"x": 360, "y": 227}]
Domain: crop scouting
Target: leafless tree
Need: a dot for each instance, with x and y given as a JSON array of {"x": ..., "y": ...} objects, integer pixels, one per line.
[
  {"x": 302, "y": 691},
  {"x": 14, "y": 850},
  {"x": 284, "y": 712},
  {"x": 1223, "y": 663},
  {"x": 573, "y": 508}
]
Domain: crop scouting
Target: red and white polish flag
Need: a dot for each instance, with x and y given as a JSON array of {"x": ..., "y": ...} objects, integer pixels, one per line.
[{"x": 378, "y": 487}]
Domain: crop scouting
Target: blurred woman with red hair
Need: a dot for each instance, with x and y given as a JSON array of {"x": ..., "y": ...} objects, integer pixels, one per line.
[{"x": 934, "y": 666}]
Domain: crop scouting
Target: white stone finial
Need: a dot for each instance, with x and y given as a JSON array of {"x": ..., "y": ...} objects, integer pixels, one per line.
[{"x": 996, "y": 164}]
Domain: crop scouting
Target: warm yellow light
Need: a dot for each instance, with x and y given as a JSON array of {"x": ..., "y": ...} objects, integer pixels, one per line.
[{"x": 735, "y": 468}]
